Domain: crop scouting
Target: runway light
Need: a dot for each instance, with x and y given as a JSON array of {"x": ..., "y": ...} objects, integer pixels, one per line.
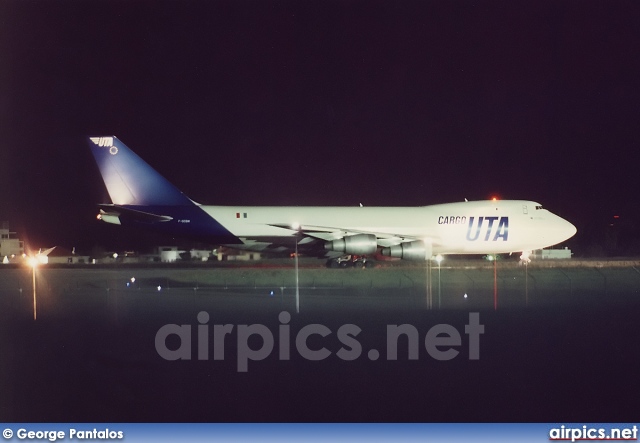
[
  {"x": 133, "y": 279},
  {"x": 159, "y": 288},
  {"x": 439, "y": 258},
  {"x": 465, "y": 295}
]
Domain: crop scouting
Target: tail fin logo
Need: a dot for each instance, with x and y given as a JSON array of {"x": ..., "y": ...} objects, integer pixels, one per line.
[
  {"x": 102, "y": 141},
  {"x": 106, "y": 142}
]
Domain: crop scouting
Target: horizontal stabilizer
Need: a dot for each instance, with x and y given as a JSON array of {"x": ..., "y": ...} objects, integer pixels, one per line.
[{"x": 133, "y": 214}]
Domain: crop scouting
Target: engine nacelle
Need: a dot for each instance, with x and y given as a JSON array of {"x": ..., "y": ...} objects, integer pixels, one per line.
[
  {"x": 358, "y": 244},
  {"x": 415, "y": 250}
]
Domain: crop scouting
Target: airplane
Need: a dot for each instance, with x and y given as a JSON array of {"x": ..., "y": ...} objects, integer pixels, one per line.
[{"x": 143, "y": 198}]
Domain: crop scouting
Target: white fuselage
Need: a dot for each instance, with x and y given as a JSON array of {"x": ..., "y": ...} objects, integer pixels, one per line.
[{"x": 478, "y": 227}]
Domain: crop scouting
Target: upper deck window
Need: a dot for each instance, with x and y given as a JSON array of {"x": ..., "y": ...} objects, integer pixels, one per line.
[{"x": 538, "y": 207}]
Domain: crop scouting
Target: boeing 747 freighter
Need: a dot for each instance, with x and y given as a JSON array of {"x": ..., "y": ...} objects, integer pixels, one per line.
[{"x": 141, "y": 197}]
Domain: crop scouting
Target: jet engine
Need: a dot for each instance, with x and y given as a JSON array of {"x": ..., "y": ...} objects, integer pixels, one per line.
[
  {"x": 415, "y": 250},
  {"x": 354, "y": 244}
]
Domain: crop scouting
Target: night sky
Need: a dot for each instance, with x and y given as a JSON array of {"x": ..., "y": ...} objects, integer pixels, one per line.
[{"x": 320, "y": 103}]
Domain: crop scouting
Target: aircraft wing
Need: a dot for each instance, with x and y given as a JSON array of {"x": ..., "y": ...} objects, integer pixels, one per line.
[{"x": 328, "y": 233}]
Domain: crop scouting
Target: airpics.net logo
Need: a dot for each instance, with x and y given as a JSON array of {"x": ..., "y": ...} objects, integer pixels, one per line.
[
  {"x": 174, "y": 342},
  {"x": 591, "y": 433}
]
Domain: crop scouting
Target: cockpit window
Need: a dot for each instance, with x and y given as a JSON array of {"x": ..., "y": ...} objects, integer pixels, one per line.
[{"x": 538, "y": 207}]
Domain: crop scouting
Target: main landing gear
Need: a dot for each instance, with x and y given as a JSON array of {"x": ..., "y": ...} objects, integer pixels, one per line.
[{"x": 350, "y": 261}]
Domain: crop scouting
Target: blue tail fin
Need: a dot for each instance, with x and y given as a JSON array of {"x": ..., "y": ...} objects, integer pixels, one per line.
[{"x": 129, "y": 179}]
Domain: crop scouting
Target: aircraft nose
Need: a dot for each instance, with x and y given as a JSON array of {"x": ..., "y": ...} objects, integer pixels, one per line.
[{"x": 566, "y": 229}]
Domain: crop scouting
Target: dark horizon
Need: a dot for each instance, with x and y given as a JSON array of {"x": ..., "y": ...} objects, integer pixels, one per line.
[{"x": 322, "y": 103}]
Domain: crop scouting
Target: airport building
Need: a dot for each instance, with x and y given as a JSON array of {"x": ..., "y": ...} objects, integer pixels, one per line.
[
  {"x": 10, "y": 244},
  {"x": 553, "y": 253},
  {"x": 59, "y": 255}
]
